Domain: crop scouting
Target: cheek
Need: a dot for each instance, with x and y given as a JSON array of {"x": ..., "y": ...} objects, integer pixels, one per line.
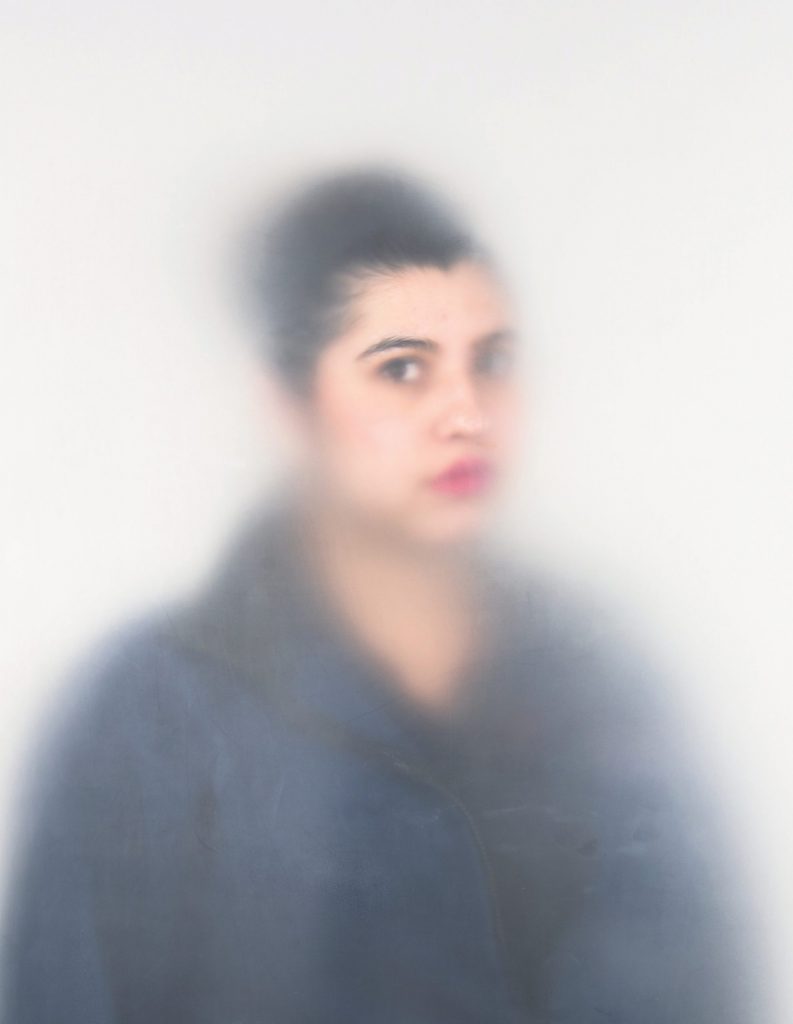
[
  {"x": 368, "y": 447},
  {"x": 386, "y": 435},
  {"x": 505, "y": 419}
]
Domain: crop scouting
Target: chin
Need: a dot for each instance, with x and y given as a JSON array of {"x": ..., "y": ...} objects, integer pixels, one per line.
[
  {"x": 431, "y": 526},
  {"x": 450, "y": 528}
]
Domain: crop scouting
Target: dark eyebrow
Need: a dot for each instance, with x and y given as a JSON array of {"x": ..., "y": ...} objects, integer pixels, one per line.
[
  {"x": 496, "y": 337},
  {"x": 431, "y": 346},
  {"x": 388, "y": 343}
]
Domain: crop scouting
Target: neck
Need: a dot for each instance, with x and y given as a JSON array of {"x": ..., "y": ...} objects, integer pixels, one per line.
[{"x": 408, "y": 606}]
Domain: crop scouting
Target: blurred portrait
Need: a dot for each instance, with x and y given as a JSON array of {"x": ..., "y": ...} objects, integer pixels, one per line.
[{"x": 363, "y": 669}]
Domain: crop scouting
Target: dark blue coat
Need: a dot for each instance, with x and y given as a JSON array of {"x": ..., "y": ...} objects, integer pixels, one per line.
[{"x": 239, "y": 821}]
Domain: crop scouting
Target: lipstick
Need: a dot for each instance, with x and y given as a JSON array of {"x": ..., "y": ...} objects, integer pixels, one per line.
[{"x": 464, "y": 478}]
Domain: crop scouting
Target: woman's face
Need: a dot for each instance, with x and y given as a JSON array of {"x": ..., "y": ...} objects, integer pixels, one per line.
[{"x": 412, "y": 416}]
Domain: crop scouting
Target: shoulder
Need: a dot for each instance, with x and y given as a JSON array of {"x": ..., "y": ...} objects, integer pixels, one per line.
[
  {"x": 132, "y": 676},
  {"x": 161, "y": 691},
  {"x": 598, "y": 675},
  {"x": 134, "y": 716},
  {"x": 547, "y": 613}
]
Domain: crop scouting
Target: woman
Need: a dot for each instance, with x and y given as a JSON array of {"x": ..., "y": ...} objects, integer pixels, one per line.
[{"x": 368, "y": 775}]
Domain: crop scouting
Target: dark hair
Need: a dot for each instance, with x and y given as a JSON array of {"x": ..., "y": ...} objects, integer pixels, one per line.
[{"x": 302, "y": 261}]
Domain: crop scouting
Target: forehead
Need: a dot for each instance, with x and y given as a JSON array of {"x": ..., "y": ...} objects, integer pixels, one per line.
[{"x": 463, "y": 302}]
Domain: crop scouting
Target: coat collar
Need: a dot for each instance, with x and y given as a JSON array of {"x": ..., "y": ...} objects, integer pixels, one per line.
[{"x": 261, "y": 617}]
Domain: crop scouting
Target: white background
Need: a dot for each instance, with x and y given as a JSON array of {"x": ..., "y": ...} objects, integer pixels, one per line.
[{"x": 631, "y": 161}]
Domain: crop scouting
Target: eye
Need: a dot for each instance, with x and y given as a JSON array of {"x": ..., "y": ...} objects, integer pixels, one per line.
[
  {"x": 404, "y": 370},
  {"x": 494, "y": 362}
]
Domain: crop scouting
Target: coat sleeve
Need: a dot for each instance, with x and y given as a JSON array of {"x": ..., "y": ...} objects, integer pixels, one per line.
[{"x": 88, "y": 917}]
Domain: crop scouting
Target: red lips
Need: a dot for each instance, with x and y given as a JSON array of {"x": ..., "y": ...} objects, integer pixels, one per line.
[{"x": 464, "y": 477}]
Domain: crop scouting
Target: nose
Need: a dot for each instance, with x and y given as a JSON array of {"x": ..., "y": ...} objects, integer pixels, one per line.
[{"x": 461, "y": 412}]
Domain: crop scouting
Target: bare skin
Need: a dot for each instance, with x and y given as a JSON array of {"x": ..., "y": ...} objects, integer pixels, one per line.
[
  {"x": 414, "y": 614},
  {"x": 419, "y": 381}
]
